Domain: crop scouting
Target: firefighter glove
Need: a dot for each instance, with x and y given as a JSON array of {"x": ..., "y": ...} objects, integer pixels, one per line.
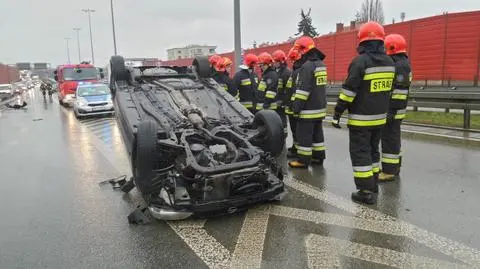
[
  {"x": 297, "y": 106},
  {"x": 336, "y": 120}
]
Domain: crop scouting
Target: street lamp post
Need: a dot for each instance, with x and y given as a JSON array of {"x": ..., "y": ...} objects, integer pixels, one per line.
[
  {"x": 68, "y": 49},
  {"x": 113, "y": 29},
  {"x": 78, "y": 43},
  {"x": 237, "y": 30},
  {"x": 89, "y": 13}
]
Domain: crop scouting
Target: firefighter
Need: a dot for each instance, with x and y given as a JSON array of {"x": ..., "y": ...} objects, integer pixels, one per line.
[
  {"x": 245, "y": 82},
  {"x": 396, "y": 48},
  {"x": 265, "y": 96},
  {"x": 366, "y": 94},
  {"x": 310, "y": 104},
  {"x": 221, "y": 75},
  {"x": 284, "y": 73},
  {"x": 290, "y": 87}
]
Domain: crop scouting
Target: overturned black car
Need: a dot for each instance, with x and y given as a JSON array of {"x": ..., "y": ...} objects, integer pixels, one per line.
[{"x": 194, "y": 149}]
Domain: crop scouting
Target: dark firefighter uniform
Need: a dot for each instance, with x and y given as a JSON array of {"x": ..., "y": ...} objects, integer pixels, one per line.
[
  {"x": 366, "y": 94},
  {"x": 284, "y": 74},
  {"x": 245, "y": 84},
  {"x": 310, "y": 106},
  {"x": 265, "y": 96},
  {"x": 391, "y": 137},
  {"x": 290, "y": 89},
  {"x": 224, "y": 80}
]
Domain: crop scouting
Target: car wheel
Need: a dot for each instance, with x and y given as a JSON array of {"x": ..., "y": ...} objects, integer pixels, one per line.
[
  {"x": 202, "y": 66},
  {"x": 145, "y": 156},
  {"x": 271, "y": 137},
  {"x": 118, "y": 69}
]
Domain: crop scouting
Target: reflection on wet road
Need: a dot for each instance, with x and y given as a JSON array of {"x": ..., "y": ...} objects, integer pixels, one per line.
[{"x": 55, "y": 215}]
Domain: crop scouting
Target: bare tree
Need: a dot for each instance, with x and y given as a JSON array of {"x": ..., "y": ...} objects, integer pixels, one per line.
[
  {"x": 402, "y": 16},
  {"x": 371, "y": 10}
]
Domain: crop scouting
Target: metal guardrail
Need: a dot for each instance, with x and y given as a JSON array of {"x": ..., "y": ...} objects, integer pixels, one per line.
[{"x": 435, "y": 97}]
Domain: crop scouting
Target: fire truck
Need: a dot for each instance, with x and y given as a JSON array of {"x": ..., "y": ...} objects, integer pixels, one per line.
[{"x": 68, "y": 76}]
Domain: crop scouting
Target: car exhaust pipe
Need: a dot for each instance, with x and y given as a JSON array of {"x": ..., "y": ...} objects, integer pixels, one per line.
[{"x": 166, "y": 214}]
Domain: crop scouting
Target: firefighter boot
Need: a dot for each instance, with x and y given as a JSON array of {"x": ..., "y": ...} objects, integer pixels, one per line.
[
  {"x": 298, "y": 164},
  {"x": 318, "y": 162},
  {"x": 365, "y": 197},
  {"x": 383, "y": 177}
]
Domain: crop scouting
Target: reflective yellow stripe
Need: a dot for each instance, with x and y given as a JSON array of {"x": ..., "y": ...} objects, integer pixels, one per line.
[
  {"x": 288, "y": 111},
  {"x": 399, "y": 97},
  {"x": 292, "y": 98},
  {"x": 363, "y": 174},
  {"x": 289, "y": 83},
  {"x": 346, "y": 98},
  {"x": 246, "y": 82},
  {"x": 273, "y": 106},
  {"x": 366, "y": 123},
  {"x": 270, "y": 95},
  {"x": 390, "y": 161},
  {"x": 400, "y": 116},
  {"x": 319, "y": 148},
  {"x": 385, "y": 75},
  {"x": 312, "y": 116},
  {"x": 259, "y": 107},
  {"x": 376, "y": 170},
  {"x": 301, "y": 97},
  {"x": 262, "y": 86}
]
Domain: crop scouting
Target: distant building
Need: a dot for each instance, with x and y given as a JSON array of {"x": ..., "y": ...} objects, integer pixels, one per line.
[{"x": 190, "y": 51}]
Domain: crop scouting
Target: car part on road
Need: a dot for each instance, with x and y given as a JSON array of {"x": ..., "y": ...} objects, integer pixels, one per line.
[{"x": 194, "y": 149}]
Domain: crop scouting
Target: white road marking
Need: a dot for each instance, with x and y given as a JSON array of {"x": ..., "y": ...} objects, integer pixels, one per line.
[
  {"x": 249, "y": 249},
  {"x": 205, "y": 246},
  {"x": 436, "y": 242},
  {"x": 326, "y": 252}
]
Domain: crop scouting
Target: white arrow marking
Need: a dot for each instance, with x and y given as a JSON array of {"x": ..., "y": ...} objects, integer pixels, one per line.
[
  {"x": 249, "y": 249},
  {"x": 436, "y": 242},
  {"x": 326, "y": 252}
]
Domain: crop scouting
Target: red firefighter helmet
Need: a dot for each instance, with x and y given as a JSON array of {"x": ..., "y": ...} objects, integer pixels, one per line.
[
  {"x": 220, "y": 65},
  {"x": 395, "y": 44},
  {"x": 250, "y": 60},
  {"x": 293, "y": 55},
  {"x": 213, "y": 59},
  {"x": 279, "y": 56},
  {"x": 304, "y": 44},
  {"x": 227, "y": 61},
  {"x": 371, "y": 31},
  {"x": 265, "y": 58}
]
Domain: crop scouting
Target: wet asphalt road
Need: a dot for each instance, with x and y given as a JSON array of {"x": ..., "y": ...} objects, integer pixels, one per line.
[{"x": 55, "y": 215}]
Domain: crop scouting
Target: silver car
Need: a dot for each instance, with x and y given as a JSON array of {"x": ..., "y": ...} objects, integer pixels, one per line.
[{"x": 92, "y": 99}]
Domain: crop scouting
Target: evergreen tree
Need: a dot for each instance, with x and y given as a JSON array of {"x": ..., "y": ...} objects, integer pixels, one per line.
[{"x": 305, "y": 27}]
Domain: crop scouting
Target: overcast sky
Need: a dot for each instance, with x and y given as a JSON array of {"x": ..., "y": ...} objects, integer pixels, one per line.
[{"x": 34, "y": 30}]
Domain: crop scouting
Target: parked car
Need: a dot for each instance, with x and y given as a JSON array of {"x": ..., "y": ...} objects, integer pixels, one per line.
[
  {"x": 194, "y": 149},
  {"x": 92, "y": 99},
  {"x": 5, "y": 91}
]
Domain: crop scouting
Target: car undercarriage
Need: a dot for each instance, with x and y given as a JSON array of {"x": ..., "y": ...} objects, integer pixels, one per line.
[{"x": 194, "y": 149}]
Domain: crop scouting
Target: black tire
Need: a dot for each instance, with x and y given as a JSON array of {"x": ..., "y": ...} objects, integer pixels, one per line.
[
  {"x": 272, "y": 138},
  {"x": 145, "y": 156},
  {"x": 202, "y": 66},
  {"x": 118, "y": 70}
]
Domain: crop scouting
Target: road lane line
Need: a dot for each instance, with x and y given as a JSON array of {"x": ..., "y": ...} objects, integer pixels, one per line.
[
  {"x": 329, "y": 255},
  {"x": 378, "y": 226},
  {"x": 436, "y": 242},
  {"x": 248, "y": 251},
  {"x": 205, "y": 246}
]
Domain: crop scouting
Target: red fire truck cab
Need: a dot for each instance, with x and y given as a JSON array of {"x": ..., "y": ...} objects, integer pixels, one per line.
[{"x": 68, "y": 76}]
